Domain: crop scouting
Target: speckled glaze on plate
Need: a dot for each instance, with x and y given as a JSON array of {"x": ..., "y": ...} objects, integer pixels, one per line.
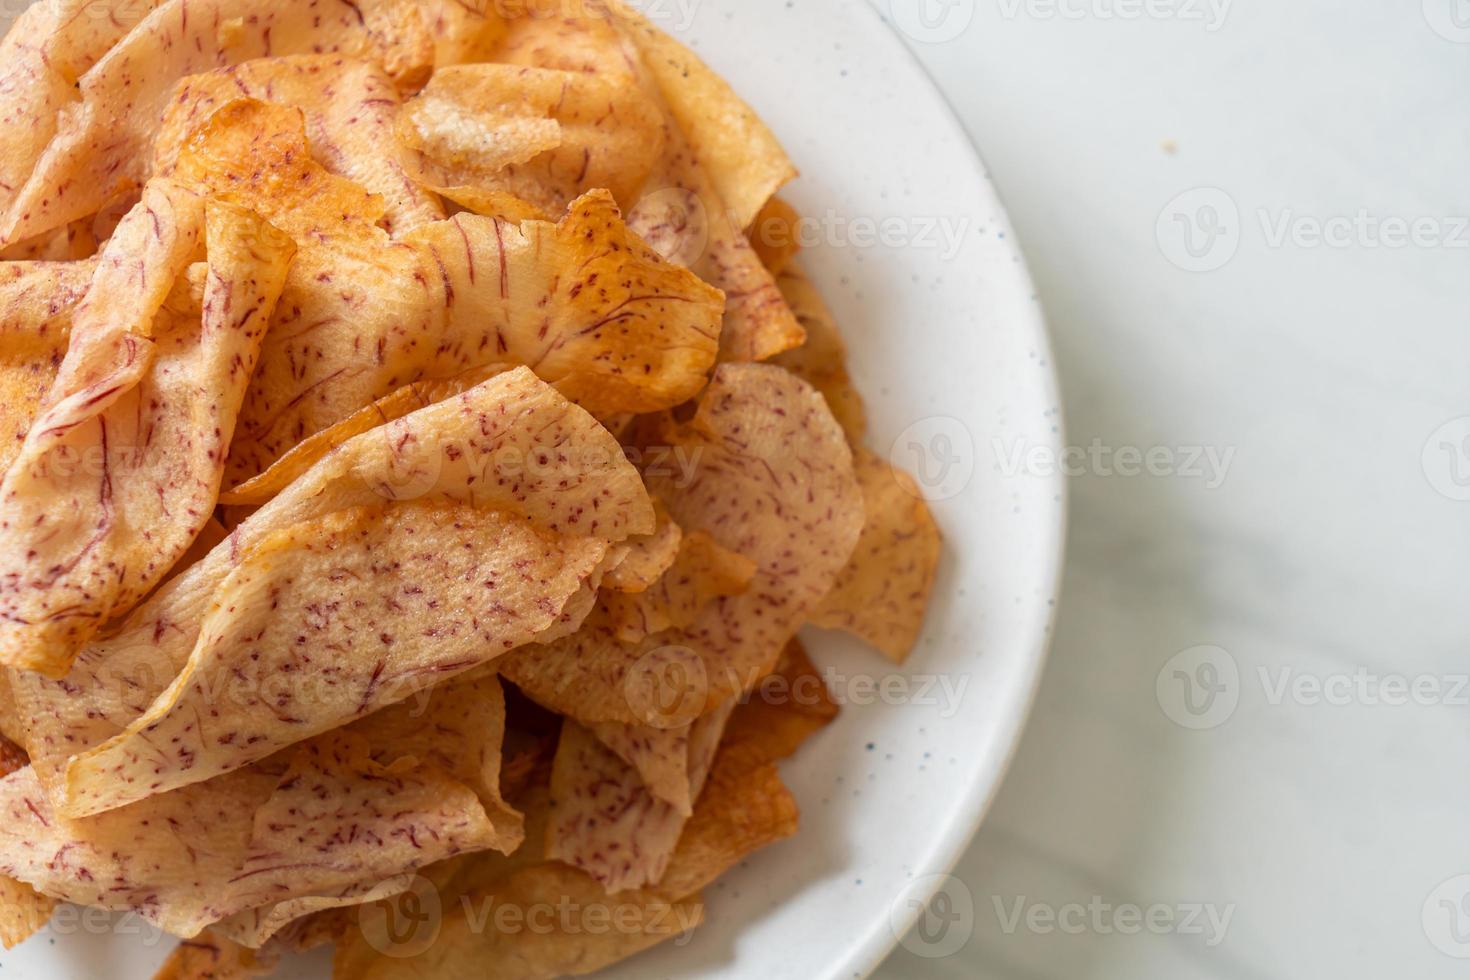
[{"x": 914, "y": 253}]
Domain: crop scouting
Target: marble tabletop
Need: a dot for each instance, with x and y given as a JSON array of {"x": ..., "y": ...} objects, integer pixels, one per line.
[{"x": 1250, "y": 226}]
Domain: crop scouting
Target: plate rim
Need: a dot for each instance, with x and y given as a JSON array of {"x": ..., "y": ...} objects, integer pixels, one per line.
[{"x": 868, "y": 955}]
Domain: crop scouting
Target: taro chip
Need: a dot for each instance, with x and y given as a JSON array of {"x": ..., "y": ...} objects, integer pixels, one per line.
[
  {"x": 256, "y": 927},
  {"x": 121, "y": 469},
  {"x": 315, "y": 823},
  {"x": 742, "y": 156},
  {"x": 308, "y": 453},
  {"x": 349, "y": 108},
  {"x": 36, "y": 304},
  {"x": 46, "y": 50},
  {"x": 883, "y": 593},
  {"x": 774, "y": 482},
  {"x": 682, "y": 213},
  {"x": 702, "y": 572},
  {"x": 543, "y": 135},
  {"x": 454, "y": 450},
  {"x": 607, "y": 821},
  {"x": 581, "y": 301},
  {"x": 822, "y": 360},
  {"x": 785, "y": 709},
  {"x": 462, "y": 32},
  {"x": 744, "y": 807},
  {"x": 103, "y": 141},
  {"x": 331, "y": 619},
  {"x": 776, "y": 237},
  {"x": 212, "y": 957},
  {"x": 643, "y": 560},
  {"x": 23, "y": 912}
]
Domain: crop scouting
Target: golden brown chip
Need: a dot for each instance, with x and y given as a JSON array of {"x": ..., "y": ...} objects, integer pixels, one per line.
[
  {"x": 582, "y": 301},
  {"x": 774, "y": 237},
  {"x": 12, "y": 728},
  {"x": 883, "y": 593},
  {"x": 782, "y": 712},
  {"x": 542, "y": 135},
  {"x": 459, "y": 728},
  {"x": 349, "y": 107},
  {"x": 463, "y": 31},
  {"x": 822, "y": 360},
  {"x": 642, "y": 561},
  {"x": 738, "y": 150},
  {"x": 702, "y": 572},
  {"x": 307, "y": 453},
  {"x": 46, "y": 50},
  {"x": 492, "y": 204},
  {"x": 606, "y": 822},
  {"x": 212, "y": 957},
  {"x": 743, "y": 808},
  {"x": 23, "y": 912},
  {"x": 681, "y": 213},
  {"x": 36, "y": 304},
  {"x": 510, "y": 444},
  {"x": 772, "y": 479},
  {"x": 121, "y": 469},
  {"x": 103, "y": 141},
  {"x": 316, "y": 822},
  {"x": 660, "y": 756},
  {"x": 329, "y": 620},
  {"x": 256, "y": 927}
]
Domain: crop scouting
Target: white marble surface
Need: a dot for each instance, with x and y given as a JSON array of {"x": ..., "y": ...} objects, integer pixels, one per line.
[{"x": 1329, "y": 827}]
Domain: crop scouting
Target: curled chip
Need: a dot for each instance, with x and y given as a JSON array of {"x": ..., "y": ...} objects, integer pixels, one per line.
[
  {"x": 702, "y": 571},
  {"x": 775, "y": 236},
  {"x": 744, "y": 160},
  {"x": 36, "y": 304},
  {"x": 682, "y": 212},
  {"x": 773, "y": 481},
  {"x": 583, "y": 302},
  {"x": 103, "y": 141},
  {"x": 642, "y": 561},
  {"x": 349, "y": 107},
  {"x": 822, "y": 360},
  {"x": 510, "y": 444},
  {"x": 543, "y": 135},
  {"x": 121, "y": 469},
  {"x": 314, "y": 823},
  {"x": 306, "y": 454},
  {"x": 882, "y": 594},
  {"x": 48, "y": 48},
  {"x": 506, "y": 576},
  {"x": 606, "y": 821}
]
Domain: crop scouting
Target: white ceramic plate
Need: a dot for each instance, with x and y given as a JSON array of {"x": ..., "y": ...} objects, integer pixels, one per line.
[{"x": 949, "y": 347}]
